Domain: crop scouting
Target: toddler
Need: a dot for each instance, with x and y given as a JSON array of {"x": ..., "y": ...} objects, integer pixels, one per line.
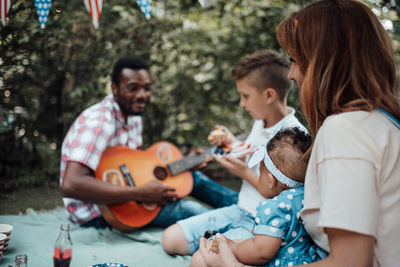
[{"x": 279, "y": 236}]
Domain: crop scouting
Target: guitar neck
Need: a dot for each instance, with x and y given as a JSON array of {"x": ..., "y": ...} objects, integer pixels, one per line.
[{"x": 188, "y": 162}]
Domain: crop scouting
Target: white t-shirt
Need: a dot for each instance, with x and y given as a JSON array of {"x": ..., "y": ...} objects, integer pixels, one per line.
[
  {"x": 249, "y": 197},
  {"x": 353, "y": 182}
]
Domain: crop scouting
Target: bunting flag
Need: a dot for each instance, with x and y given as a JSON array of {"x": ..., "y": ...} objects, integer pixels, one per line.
[
  {"x": 202, "y": 2},
  {"x": 145, "y": 6},
  {"x": 43, "y": 8},
  {"x": 94, "y": 7},
  {"x": 5, "y": 6}
]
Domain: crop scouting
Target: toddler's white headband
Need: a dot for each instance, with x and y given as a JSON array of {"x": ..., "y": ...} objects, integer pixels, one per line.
[{"x": 261, "y": 154}]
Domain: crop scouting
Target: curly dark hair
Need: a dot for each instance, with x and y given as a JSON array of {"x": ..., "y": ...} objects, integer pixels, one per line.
[
  {"x": 287, "y": 150},
  {"x": 134, "y": 63}
]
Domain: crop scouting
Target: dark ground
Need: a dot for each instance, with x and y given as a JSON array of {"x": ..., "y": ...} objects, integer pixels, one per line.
[
  {"x": 47, "y": 198},
  {"x": 37, "y": 198}
]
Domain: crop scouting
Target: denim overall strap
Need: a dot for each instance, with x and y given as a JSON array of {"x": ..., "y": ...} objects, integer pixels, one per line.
[{"x": 389, "y": 116}]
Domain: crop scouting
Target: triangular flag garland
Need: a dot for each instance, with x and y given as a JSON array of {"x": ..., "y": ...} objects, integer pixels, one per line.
[
  {"x": 43, "y": 8},
  {"x": 145, "y": 6},
  {"x": 5, "y": 6},
  {"x": 202, "y": 2},
  {"x": 94, "y": 7}
]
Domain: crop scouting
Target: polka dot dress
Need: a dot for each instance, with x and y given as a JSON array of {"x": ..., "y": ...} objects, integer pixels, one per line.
[{"x": 279, "y": 217}]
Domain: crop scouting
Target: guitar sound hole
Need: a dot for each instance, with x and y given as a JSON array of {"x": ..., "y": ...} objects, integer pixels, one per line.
[{"x": 160, "y": 173}]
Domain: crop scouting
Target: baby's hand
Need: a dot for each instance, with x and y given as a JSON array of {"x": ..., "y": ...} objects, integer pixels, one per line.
[{"x": 214, "y": 246}]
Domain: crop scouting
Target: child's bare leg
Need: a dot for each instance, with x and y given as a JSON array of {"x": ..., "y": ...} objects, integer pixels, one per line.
[{"x": 174, "y": 241}]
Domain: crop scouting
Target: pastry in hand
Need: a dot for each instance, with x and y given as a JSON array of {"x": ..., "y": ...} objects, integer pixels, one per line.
[{"x": 218, "y": 132}]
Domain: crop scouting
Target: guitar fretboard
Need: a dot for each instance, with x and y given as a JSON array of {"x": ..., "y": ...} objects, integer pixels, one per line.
[{"x": 188, "y": 162}]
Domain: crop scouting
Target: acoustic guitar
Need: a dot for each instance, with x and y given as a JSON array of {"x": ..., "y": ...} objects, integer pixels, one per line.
[{"x": 124, "y": 166}]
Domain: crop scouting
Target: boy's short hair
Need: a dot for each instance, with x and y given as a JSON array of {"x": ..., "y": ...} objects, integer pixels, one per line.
[
  {"x": 265, "y": 69},
  {"x": 134, "y": 63},
  {"x": 287, "y": 150}
]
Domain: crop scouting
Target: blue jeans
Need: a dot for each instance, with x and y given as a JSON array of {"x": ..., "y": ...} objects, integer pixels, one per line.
[
  {"x": 233, "y": 221},
  {"x": 212, "y": 193},
  {"x": 205, "y": 190}
]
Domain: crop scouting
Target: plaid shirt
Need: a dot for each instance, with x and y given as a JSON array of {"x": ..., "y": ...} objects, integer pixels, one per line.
[{"x": 97, "y": 127}]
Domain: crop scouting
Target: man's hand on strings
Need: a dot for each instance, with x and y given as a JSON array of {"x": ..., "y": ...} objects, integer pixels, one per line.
[{"x": 156, "y": 192}]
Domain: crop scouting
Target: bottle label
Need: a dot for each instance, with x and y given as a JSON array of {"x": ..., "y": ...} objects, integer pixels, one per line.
[
  {"x": 67, "y": 254},
  {"x": 62, "y": 255},
  {"x": 57, "y": 253}
]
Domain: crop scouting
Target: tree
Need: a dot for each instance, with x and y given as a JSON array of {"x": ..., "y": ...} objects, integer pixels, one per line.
[{"x": 47, "y": 77}]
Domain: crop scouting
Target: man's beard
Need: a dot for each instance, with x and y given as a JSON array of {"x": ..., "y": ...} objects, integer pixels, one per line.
[{"x": 130, "y": 112}]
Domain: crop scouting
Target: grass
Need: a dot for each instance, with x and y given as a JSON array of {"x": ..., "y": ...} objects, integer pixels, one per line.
[
  {"x": 47, "y": 198},
  {"x": 37, "y": 198}
]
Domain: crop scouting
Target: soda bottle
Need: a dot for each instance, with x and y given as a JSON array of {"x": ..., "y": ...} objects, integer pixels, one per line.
[
  {"x": 63, "y": 248},
  {"x": 21, "y": 260},
  {"x": 211, "y": 228}
]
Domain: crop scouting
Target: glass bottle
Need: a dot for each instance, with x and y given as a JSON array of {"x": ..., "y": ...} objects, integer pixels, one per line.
[
  {"x": 63, "y": 248},
  {"x": 211, "y": 231},
  {"x": 21, "y": 260}
]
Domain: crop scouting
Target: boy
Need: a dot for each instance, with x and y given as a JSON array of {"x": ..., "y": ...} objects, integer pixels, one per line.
[{"x": 261, "y": 80}]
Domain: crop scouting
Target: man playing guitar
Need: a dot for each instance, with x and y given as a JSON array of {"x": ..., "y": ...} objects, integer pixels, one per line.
[{"x": 116, "y": 121}]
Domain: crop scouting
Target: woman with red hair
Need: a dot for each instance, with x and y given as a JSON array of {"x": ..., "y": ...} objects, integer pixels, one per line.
[{"x": 343, "y": 61}]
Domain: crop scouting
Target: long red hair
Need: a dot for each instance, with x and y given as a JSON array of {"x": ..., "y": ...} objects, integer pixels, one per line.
[{"x": 346, "y": 56}]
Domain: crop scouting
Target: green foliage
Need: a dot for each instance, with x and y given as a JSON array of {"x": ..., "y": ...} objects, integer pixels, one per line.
[{"x": 47, "y": 77}]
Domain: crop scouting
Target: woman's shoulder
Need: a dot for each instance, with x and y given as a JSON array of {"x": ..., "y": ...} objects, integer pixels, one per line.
[
  {"x": 357, "y": 122},
  {"x": 357, "y": 134},
  {"x": 360, "y": 118},
  {"x": 347, "y": 117}
]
